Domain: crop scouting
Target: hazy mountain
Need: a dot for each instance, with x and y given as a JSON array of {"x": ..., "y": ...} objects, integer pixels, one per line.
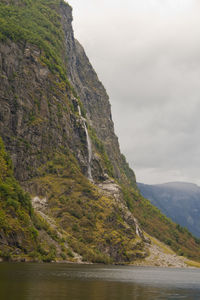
[{"x": 180, "y": 201}]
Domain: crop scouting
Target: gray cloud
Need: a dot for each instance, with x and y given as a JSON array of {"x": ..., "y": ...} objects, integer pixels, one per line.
[{"x": 147, "y": 54}]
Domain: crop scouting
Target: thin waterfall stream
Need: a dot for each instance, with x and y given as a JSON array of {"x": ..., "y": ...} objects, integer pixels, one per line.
[{"x": 89, "y": 146}]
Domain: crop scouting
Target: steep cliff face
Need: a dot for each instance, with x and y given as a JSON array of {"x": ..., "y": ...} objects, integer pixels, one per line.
[
  {"x": 36, "y": 118},
  {"x": 60, "y": 136},
  {"x": 33, "y": 112},
  {"x": 94, "y": 98},
  {"x": 56, "y": 124}
]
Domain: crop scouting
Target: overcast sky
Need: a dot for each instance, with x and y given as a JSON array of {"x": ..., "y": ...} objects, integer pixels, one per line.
[{"x": 147, "y": 54}]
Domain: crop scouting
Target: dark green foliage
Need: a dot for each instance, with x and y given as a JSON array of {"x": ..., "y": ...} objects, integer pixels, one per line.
[
  {"x": 36, "y": 22},
  {"x": 18, "y": 220},
  {"x": 10, "y": 191},
  {"x": 13, "y": 195},
  {"x": 51, "y": 255},
  {"x": 15, "y": 208}
]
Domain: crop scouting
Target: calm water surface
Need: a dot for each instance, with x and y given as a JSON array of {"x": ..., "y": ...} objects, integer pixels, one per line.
[{"x": 95, "y": 282}]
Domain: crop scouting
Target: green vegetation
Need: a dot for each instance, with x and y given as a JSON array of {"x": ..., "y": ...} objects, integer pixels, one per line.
[
  {"x": 158, "y": 225},
  {"x": 92, "y": 222},
  {"x": 11, "y": 194},
  {"x": 20, "y": 227},
  {"x": 129, "y": 176},
  {"x": 101, "y": 150},
  {"x": 15, "y": 210},
  {"x": 36, "y": 22}
]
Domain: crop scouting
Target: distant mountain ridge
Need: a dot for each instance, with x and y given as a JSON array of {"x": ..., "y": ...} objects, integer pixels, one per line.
[{"x": 179, "y": 201}]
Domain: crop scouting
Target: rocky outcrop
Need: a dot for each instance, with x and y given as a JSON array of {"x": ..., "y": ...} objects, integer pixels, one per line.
[
  {"x": 59, "y": 138},
  {"x": 110, "y": 188},
  {"x": 35, "y": 107},
  {"x": 93, "y": 96}
]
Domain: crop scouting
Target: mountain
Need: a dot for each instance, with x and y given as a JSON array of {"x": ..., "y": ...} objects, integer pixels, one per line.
[
  {"x": 180, "y": 201},
  {"x": 66, "y": 191}
]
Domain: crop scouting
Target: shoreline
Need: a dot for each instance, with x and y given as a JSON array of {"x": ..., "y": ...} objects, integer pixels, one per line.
[{"x": 187, "y": 264}]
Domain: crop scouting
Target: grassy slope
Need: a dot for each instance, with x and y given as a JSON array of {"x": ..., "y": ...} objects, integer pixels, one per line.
[
  {"x": 93, "y": 222},
  {"x": 158, "y": 225},
  {"x": 16, "y": 226},
  {"x": 38, "y": 22},
  {"x": 23, "y": 233}
]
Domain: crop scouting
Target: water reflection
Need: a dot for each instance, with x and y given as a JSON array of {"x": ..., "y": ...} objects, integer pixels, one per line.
[{"x": 75, "y": 282}]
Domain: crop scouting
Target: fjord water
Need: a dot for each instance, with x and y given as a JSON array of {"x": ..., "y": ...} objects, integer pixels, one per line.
[{"x": 96, "y": 282}]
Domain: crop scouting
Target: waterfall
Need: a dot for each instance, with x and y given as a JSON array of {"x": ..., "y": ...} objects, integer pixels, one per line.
[
  {"x": 79, "y": 111},
  {"x": 89, "y": 146}
]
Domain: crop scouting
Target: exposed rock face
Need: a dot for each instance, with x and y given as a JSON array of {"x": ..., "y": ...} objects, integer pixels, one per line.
[
  {"x": 58, "y": 139},
  {"x": 32, "y": 119},
  {"x": 93, "y": 96},
  {"x": 34, "y": 113}
]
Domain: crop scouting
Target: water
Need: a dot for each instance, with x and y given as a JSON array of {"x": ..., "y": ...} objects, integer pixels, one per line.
[
  {"x": 89, "y": 146},
  {"x": 79, "y": 111},
  {"x": 96, "y": 282}
]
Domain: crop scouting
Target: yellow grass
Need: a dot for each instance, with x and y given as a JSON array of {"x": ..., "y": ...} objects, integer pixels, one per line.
[
  {"x": 192, "y": 263},
  {"x": 164, "y": 248}
]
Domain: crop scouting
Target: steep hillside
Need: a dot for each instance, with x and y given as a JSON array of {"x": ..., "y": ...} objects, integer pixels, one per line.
[
  {"x": 45, "y": 131},
  {"x": 16, "y": 228},
  {"x": 180, "y": 201},
  {"x": 24, "y": 235},
  {"x": 164, "y": 229},
  {"x": 56, "y": 124}
]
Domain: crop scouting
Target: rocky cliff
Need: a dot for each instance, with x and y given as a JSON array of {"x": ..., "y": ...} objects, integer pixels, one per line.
[{"x": 56, "y": 124}]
